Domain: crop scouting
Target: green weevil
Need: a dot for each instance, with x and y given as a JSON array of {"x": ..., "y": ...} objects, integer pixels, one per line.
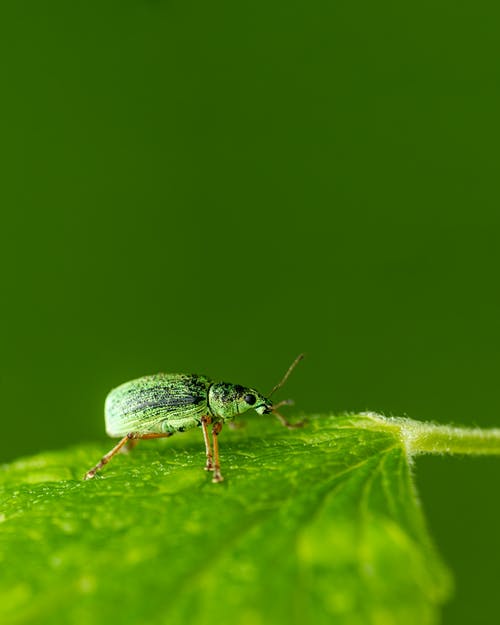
[{"x": 158, "y": 406}]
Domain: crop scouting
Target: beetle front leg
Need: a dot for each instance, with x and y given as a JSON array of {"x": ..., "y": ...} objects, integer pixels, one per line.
[
  {"x": 209, "y": 466},
  {"x": 287, "y": 424},
  {"x": 215, "y": 433}
]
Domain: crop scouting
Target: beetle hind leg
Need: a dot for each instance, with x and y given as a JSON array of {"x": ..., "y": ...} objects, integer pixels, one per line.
[
  {"x": 107, "y": 457},
  {"x": 131, "y": 437},
  {"x": 131, "y": 444}
]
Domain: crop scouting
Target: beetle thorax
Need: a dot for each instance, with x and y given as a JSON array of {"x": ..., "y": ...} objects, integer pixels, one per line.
[{"x": 223, "y": 400}]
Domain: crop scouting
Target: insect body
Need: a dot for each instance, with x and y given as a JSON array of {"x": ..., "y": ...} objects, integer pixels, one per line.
[{"x": 160, "y": 405}]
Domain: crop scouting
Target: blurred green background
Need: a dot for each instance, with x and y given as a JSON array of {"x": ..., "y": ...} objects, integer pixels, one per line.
[{"x": 216, "y": 187}]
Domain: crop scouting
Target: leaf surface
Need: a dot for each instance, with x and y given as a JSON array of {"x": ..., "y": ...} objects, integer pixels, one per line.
[{"x": 318, "y": 525}]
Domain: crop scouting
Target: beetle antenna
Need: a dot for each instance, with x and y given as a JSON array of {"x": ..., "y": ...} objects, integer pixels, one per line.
[{"x": 285, "y": 377}]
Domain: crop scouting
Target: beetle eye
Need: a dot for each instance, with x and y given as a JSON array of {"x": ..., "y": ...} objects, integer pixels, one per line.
[{"x": 250, "y": 399}]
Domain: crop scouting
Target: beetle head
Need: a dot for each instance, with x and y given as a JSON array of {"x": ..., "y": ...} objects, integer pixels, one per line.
[
  {"x": 229, "y": 400},
  {"x": 226, "y": 400}
]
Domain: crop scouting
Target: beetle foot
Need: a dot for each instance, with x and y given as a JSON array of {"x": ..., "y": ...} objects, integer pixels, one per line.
[
  {"x": 89, "y": 475},
  {"x": 217, "y": 477}
]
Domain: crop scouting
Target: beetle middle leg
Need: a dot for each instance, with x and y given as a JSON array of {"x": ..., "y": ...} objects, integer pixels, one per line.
[
  {"x": 131, "y": 436},
  {"x": 215, "y": 433},
  {"x": 209, "y": 466}
]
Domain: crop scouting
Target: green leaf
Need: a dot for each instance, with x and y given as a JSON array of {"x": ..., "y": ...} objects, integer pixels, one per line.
[{"x": 318, "y": 525}]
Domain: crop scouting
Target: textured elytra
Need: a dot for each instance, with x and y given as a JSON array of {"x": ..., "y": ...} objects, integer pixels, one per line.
[
  {"x": 145, "y": 404},
  {"x": 318, "y": 525}
]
